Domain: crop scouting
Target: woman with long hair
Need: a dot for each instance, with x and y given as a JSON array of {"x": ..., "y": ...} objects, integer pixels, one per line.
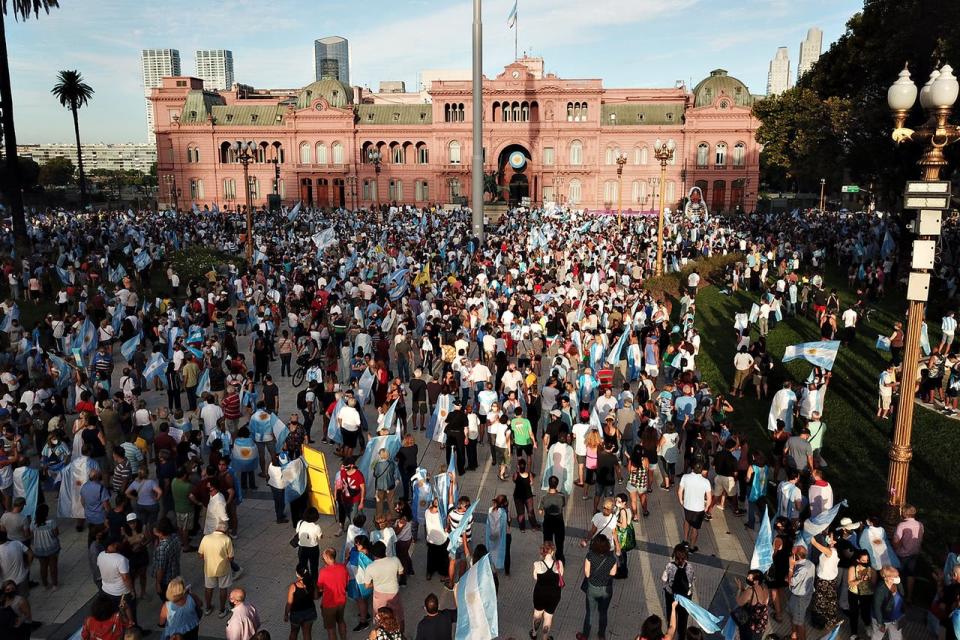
[
  {"x": 387, "y": 626},
  {"x": 668, "y": 454},
  {"x": 638, "y": 480},
  {"x": 548, "y": 576},
  {"x": 592, "y": 441},
  {"x": 300, "y": 609},
  {"x": 46, "y": 546},
  {"x": 599, "y": 570},
  {"x": 308, "y": 540},
  {"x": 652, "y": 627},
  {"x": 625, "y": 533},
  {"x": 826, "y": 611}
]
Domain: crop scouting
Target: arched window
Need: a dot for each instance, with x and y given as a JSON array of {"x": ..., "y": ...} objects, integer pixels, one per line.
[
  {"x": 193, "y": 154},
  {"x": 640, "y": 155},
  {"x": 721, "y": 157},
  {"x": 524, "y": 112},
  {"x": 396, "y": 191},
  {"x": 569, "y": 112},
  {"x": 739, "y": 154},
  {"x": 610, "y": 192},
  {"x": 421, "y": 191},
  {"x": 461, "y": 114},
  {"x": 196, "y": 189},
  {"x": 454, "y": 185},
  {"x": 229, "y": 189},
  {"x": 226, "y": 153},
  {"x": 278, "y": 152},
  {"x": 496, "y": 112},
  {"x": 337, "y": 152},
  {"x": 446, "y": 113},
  {"x": 573, "y": 192},
  {"x": 576, "y": 152},
  {"x": 505, "y": 112},
  {"x": 516, "y": 112},
  {"x": 254, "y": 188},
  {"x": 576, "y": 112},
  {"x": 322, "y": 153},
  {"x": 671, "y": 193},
  {"x": 454, "y": 152},
  {"x": 638, "y": 192},
  {"x": 583, "y": 112},
  {"x": 305, "y": 153},
  {"x": 703, "y": 150},
  {"x": 423, "y": 154},
  {"x": 397, "y": 155}
]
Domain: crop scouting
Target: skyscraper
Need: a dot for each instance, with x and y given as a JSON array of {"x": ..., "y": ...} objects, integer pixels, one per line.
[
  {"x": 156, "y": 64},
  {"x": 809, "y": 50},
  {"x": 215, "y": 68},
  {"x": 778, "y": 78},
  {"x": 331, "y": 59}
]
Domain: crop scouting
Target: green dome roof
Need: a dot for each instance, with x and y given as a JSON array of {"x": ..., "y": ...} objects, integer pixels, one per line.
[
  {"x": 719, "y": 82},
  {"x": 330, "y": 89}
]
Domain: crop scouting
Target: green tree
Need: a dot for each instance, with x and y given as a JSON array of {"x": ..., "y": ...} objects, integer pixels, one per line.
[
  {"x": 28, "y": 172},
  {"x": 803, "y": 138},
  {"x": 73, "y": 93},
  {"x": 21, "y": 10},
  {"x": 56, "y": 172}
]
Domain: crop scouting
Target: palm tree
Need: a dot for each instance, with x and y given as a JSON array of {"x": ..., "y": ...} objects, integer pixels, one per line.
[
  {"x": 73, "y": 93},
  {"x": 21, "y": 10}
]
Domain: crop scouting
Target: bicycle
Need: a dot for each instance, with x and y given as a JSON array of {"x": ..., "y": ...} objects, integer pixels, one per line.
[{"x": 307, "y": 371}]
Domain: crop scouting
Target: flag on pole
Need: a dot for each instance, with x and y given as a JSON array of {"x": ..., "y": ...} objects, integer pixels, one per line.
[
  {"x": 613, "y": 358},
  {"x": 512, "y": 18},
  {"x": 293, "y": 213},
  {"x": 156, "y": 366},
  {"x": 821, "y": 353},
  {"x": 203, "y": 384},
  {"x": 438, "y": 420},
  {"x": 477, "y": 616}
]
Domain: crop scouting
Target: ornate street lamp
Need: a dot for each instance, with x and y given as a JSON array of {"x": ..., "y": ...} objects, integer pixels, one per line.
[
  {"x": 621, "y": 160},
  {"x": 937, "y": 98},
  {"x": 375, "y": 157},
  {"x": 662, "y": 151},
  {"x": 244, "y": 154}
]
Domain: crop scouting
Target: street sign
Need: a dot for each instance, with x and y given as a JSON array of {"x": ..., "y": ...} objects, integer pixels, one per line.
[{"x": 850, "y": 188}]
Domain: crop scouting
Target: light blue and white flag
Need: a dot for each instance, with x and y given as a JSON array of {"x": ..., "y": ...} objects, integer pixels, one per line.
[
  {"x": 293, "y": 476},
  {"x": 64, "y": 370},
  {"x": 86, "y": 338},
  {"x": 924, "y": 339},
  {"x": 117, "y": 273},
  {"x": 142, "y": 260},
  {"x": 280, "y": 432},
  {"x": 325, "y": 238},
  {"x": 730, "y": 630},
  {"x": 293, "y": 213},
  {"x": 821, "y": 353},
  {"x": 763, "y": 546},
  {"x": 889, "y": 245},
  {"x": 390, "y": 417},
  {"x": 437, "y": 421},
  {"x": 613, "y": 358},
  {"x": 259, "y": 256},
  {"x": 364, "y": 388},
  {"x": 883, "y": 343},
  {"x": 372, "y": 453},
  {"x": 261, "y": 426},
  {"x": 128, "y": 348},
  {"x": 477, "y": 617},
  {"x": 26, "y": 485},
  {"x": 495, "y": 536},
  {"x": 244, "y": 456},
  {"x": 203, "y": 384},
  {"x": 156, "y": 366},
  {"x": 707, "y": 621},
  {"x": 456, "y": 534},
  {"x": 172, "y": 334},
  {"x": 65, "y": 276},
  {"x": 195, "y": 335},
  {"x": 511, "y": 22},
  {"x": 333, "y": 429}
]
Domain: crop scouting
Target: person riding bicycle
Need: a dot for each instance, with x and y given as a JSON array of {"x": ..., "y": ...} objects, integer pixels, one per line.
[{"x": 309, "y": 354}]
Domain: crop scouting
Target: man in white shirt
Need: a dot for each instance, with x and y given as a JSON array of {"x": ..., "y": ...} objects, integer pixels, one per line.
[
  {"x": 209, "y": 416},
  {"x": 512, "y": 380},
  {"x": 789, "y": 497},
  {"x": 216, "y": 510},
  {"x": 348, "y": 418},
  {"x": 949, "y": 327},
  {"x": 15, "y": 559},
  {"x": 820, "y": 494},
  {"x": 606, "y": 403},
  {"x": 695, "y": 495},
  {"x": 579, "y": 432},
  {"x": 479, "y": 376},
  {"x": 114, "y": 571}
]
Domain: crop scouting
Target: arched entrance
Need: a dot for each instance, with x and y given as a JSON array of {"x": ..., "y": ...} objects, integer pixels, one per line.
[
  {"x": 306, "y": 191},
  {"x": 513, "y": 170}
]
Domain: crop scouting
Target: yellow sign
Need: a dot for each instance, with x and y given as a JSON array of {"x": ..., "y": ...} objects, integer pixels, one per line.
[{"x": 321, "y": 496}]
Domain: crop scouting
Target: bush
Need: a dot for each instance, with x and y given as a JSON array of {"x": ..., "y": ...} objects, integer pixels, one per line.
[
  {"x": 711, "y": 272},
  {"x": 196, "y": 262}
]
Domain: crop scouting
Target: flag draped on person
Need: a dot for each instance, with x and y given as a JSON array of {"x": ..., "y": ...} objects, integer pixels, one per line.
[
  {"x": 64, "y": 370},
  {"x": 325, "y": 238},
  {"x": 614, "y": 356},
  {"x": 156, "y": 366},
  {"x": 437, "y": 421},
  {"x": 333, "y": 429},
  {"x": 447, "y": 488},
  {"x": 364, "y": 388},
  {"x": 495, "y": 536},
  {"x": 142, "y": 260},
  {"x": 86, "y": 338},
  {"x": 820, "y": 354},
  {"x": 477, "y": 616},
  {"x": 244, "y": 457},
  {"x": 117, "y": 273},
  {"x": 456, "y": 534},
  {"x": 293, "y": 477},
  {"x": 372, "y": 453},
  {"x": 707, "y": 621},
  {"x": 26, "y": 485},
  {"x": 390, "y": 417},
  {"x": 203, "y": 384},
  {"x": 763, "y": 546}
]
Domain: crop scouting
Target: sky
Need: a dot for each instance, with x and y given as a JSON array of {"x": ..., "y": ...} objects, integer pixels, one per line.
[{"x": 626, "y": 43}]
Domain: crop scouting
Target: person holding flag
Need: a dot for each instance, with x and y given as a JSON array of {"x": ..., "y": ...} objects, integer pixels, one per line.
[{"x": 752, "y": 598}]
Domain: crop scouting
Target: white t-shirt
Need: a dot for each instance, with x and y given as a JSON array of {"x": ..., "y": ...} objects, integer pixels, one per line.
[
  {"x": 827, "y": 568},
  {"x": 349, "y": 418},
  {"x": 209, "y": 415},
  {"x": 695, "y": 489},
  {"x": 849, "y": 318},
  {"x": 111, "y": 566},
  {"x": 499, "y": 432},
  {"x": 605, "y": 524},
  {"x": 309, "y": 534},
  {"x": 511, "y": 380},
  {"x": 580, "y": 431}
]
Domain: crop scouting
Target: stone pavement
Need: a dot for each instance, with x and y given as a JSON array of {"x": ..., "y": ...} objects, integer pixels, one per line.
[{"x": 262, "y": 549}]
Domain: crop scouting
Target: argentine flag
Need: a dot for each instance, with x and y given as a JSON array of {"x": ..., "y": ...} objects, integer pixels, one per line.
[
  {"x": 293, "y": 475},
  {"x": 203, "y": 384},
  {"x": 390, "y": 417},
  {"x": 820, "y": 354},
  {"x": 372, "y": 453},
  {"x": 63, "y": 370},
  {"x": 293, "y": 213},
  {"x": 435, "y": 426},
  {"x": 128, "y": 348},
  {"x": 763, "y": 547},
  {"x": 456, "y": 535},
  {"x": 156, "y": 366},
  {"x": 477, "y": 617},
  {"x": 613, "y": 358},
  {"x": 707, "y": 621},
  {"x": 86, "y": 339},
  {"x": 244, "y": 456}
]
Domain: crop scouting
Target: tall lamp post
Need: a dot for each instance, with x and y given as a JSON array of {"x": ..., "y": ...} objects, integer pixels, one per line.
[
  {"x": 621, "y": 160},
  {"x": 374, "y": 156},
  {"x": 244, "y": 153},
  {"x": 930, "y": 197},
  {"x": 476, "y": 169},
  {"x": 662, "y": 151},
  {"x": 352, "y": 183},
  {"x": 823, "y": 184}
]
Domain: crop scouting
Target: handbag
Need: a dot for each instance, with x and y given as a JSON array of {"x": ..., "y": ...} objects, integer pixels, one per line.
[
  {"x": 295, "y": 540},
  {"x": 741, "y": 615},
  {"x": 627, "y": 538},
  {"x": 583, "y": 584}
]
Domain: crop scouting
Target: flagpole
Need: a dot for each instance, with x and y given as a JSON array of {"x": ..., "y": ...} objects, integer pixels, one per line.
[
  {"x": 476, "y": 191},
  {"x": 516, "y": 35}
]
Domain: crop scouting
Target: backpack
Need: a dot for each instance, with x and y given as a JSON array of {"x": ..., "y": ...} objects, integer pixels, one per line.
[
  {"x": 302, "y": 400},
  {"x": 681, "y": 583}
]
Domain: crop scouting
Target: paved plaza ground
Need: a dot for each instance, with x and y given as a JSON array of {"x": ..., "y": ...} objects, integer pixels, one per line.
[{"x": 262, "y": 549}]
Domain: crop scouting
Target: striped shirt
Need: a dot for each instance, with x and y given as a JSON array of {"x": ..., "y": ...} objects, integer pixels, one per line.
[
  {"x": 948, "y": 325},
  {"x": 453, "y": 521}
]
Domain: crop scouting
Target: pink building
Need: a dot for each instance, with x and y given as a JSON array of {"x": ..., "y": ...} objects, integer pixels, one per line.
[{"x": 547, "y": 138}]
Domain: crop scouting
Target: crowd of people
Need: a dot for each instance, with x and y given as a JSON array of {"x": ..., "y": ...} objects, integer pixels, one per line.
[{"x": 147, "y": 404}]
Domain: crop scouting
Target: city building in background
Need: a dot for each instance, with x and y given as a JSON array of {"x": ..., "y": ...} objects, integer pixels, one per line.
[
  {"x": 393, "y": 86},
  {"x": 156, "y": 64},
  {"x": 810, "y": 49},
  {"x": 547, "y": 139},
  {"x": 215, "y": 68},
  {"x": 127, "y": 157},
  {"x": 331, "y": 59},
  {"x": 778, "y": 77}
]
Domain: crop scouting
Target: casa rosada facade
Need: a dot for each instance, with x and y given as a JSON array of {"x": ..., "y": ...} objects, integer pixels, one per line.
[{"x": 545, "y": 138}]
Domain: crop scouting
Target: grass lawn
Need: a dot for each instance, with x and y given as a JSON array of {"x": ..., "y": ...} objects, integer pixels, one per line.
[{"x": 856, "y": 442}]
